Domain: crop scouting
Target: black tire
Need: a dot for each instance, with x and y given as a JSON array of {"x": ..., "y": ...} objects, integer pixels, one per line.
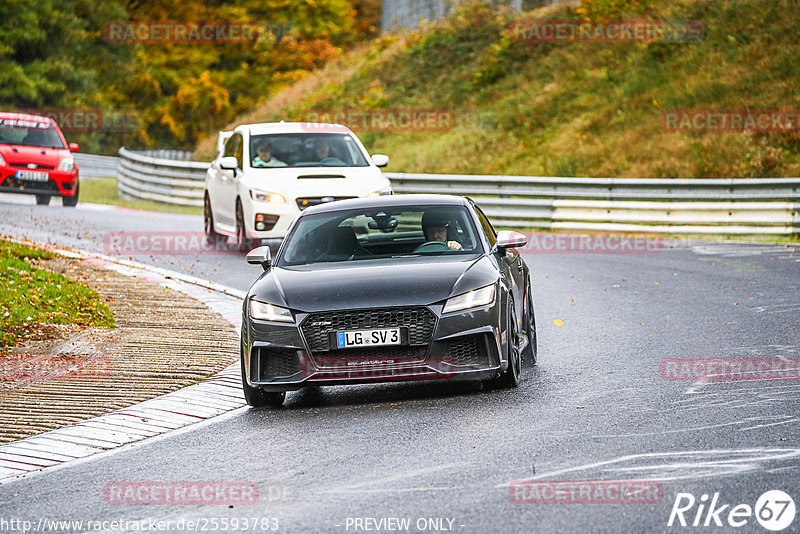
[
  {"x": 257, "y": 397},
  {"x": 241, "y": 239},
  {"x": 208, "y": 220},
  {"x": 43, "y": 200},
  {"x": 529, "y": 321},
  {"x": 72, "y": 201},
  {"x": 512, "y": 376}
]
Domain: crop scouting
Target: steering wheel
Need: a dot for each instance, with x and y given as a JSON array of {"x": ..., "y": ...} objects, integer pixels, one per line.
[
  {"x": 433, "y": 246},
  {"x": 331, "y": 160}
]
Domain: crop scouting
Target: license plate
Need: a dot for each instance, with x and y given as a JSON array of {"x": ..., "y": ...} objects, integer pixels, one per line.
[
  {"x": 33, "y": 176},
  {"x": 368, "y": 338}
]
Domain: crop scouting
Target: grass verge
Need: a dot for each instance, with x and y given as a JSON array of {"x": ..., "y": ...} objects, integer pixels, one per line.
[
  {"x": 569, "y": 108},
  {"x": 104, "y": 191},
  {"x": 31, "y": 296}
]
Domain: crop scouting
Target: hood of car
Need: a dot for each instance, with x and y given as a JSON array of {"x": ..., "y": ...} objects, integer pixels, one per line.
[
  {"x": 416, "y": 281},
  {"x": 316, "y": 181},
  {"x": 20, "y": 154}
]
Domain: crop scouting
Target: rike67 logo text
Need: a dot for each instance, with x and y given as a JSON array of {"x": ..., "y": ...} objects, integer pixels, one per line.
[{"x": 774, "y": 510}]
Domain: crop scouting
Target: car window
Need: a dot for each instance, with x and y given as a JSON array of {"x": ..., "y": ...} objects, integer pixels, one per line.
[
  {"x": 379, "y": 233},
  {"x": 488, "y": 229},
  {"x": 305, "y": 150},
  {"x": 234, "y": 148},
  {"x": 29, "y": 133}
]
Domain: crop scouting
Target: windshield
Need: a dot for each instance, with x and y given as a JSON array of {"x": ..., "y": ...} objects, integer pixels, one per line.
[
  {"x": 305, "y": 150},
  {"x": 376, "y": 233},
  {"x": 29, "y": 133}
]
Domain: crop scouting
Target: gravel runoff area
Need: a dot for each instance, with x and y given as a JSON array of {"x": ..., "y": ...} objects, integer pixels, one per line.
[{"x": 163, "y": 341}]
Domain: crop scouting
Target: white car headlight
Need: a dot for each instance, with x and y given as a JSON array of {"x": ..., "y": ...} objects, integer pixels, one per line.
[
  {"x": 269, "y": 312},
  {"x": 471, "y": 299},
  {"x": 66, "y": 164},
  {"x": 2, "y": 162},
  {"x": 266, "y": 196}
]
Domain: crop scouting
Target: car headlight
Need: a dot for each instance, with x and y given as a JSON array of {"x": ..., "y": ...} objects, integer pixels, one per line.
[
  {"x": 471, "y": 299},
  {"x": 67, "y": 164},
  {"x": 2, "y": 162},
  {"x": 269, "y": 312},
  {"x": 266, "y": 196},
  {"x": 385, "y": 191}
]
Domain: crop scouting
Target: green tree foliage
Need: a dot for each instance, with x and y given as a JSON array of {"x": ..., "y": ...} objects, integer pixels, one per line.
[{"x": 53, "y": 54}]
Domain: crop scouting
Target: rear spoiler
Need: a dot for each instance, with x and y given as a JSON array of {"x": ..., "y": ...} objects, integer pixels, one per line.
[{"x": 222, "y": 138}]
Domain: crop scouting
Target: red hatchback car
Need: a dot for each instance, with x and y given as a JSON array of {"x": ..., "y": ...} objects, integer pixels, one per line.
[{"x": 35, "y": 159}]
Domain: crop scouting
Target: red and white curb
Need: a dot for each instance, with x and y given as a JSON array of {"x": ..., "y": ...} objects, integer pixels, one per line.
[{"x": 217, "y": 395}]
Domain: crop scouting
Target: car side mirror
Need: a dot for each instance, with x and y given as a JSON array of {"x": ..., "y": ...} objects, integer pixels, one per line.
[
  {"x": 510, "y": 239},
  {"x": 229, "y": 163},
  {"x": 380, "y": 160},
  {"x": 260, "y": 256},
  {"x": 73, "y": 147}
]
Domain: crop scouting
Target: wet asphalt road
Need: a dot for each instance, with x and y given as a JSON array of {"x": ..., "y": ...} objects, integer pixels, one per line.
[{"x": 595, "y": 407}]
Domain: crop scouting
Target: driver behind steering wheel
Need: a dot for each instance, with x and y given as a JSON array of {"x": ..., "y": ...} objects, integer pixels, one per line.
[{"x": 434, "y": 227}]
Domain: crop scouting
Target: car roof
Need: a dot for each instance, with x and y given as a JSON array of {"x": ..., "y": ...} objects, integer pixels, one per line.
[
  {"x": 293, "y": 127},
  {"x": 25, "y": 117},
  {"x": 387, "y": 201}
]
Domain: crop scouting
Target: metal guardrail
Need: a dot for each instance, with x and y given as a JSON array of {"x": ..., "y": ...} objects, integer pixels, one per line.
[
  {"x": 92, "y": 166},
  {"x": 166, "y": 153},
  {"x": 163, "y": 180},
  {"x": 661, "y": 205}
]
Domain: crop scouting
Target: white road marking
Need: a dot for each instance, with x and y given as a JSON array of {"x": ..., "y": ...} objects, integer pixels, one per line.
[{"x": 689, "y": 464}]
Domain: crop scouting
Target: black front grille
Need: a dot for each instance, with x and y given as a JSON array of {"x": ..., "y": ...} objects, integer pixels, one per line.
[
  {"x": 400, "y": 354},
  {"x": 35, "y": 166},
  {"x": 307, "y": 202},
  {"x": 468, "y": 351},
  {"x": 12, "y": 181},
  {"x": 419, "y": 322},
  {"x": 272, "y": 363}
]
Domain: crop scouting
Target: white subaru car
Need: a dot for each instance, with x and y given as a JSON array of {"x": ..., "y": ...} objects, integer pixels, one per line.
[{"x": 266, "y": 174}]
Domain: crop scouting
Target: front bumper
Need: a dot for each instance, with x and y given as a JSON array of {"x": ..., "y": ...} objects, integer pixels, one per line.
[
  {"x": 282, "y": 214},
  {"x": 456, "y": 347},
  {"x": 60, "y": 183}
]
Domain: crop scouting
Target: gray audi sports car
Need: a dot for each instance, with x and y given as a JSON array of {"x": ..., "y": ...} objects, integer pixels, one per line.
[{"x": 401, "y": 287}]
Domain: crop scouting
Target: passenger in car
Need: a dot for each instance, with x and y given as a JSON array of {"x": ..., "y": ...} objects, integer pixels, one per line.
[
  {"x": 264, "y": 157},
  {"x": 343, "y": 245}
]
